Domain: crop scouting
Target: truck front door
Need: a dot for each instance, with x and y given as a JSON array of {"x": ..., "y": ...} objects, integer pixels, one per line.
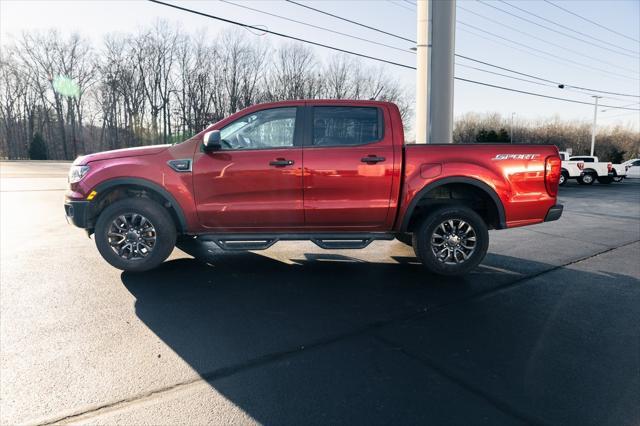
[{"x": 255, "y": 180}]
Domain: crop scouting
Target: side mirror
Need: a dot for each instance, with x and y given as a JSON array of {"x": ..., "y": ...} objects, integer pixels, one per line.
[{"x": 211, "y": 141}]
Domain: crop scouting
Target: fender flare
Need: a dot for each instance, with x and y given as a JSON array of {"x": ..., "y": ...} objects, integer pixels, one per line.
[
  {"x": 502, "y": 221},
  {"x": 111, "y": 183}
]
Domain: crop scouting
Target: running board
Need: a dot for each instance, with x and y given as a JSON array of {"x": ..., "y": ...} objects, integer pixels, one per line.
[{"x": 264, "y": 241}]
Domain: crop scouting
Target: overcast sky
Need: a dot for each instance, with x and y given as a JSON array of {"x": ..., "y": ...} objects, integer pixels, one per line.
[{"x": 577, "y": 63}]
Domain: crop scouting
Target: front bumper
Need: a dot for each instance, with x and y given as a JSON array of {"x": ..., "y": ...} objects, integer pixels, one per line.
[
  {"x": 554, "y": 213},
  {"x": 78, "y": 213}
]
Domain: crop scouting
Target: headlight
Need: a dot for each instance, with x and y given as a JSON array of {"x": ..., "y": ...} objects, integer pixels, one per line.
[{"x": 76, "y": 173}]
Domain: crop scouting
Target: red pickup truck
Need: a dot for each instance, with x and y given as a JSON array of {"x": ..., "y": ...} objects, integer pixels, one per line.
[{"x": 335, "y": 172}]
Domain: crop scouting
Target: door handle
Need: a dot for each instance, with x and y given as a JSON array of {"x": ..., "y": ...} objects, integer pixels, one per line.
[
  {"x": 372, "y": 159},
  {"x": 280, "y": 162}
]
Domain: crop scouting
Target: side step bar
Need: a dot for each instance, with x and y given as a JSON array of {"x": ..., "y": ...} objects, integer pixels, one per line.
[{"x": 264, "y": 241}]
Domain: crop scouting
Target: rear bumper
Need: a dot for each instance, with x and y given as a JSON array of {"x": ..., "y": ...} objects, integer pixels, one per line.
[
  {"x": 554, "y": 213},
  {"x": 78, "y": 213}
]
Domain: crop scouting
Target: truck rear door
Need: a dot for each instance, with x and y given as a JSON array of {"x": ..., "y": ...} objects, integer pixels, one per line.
[{"x": 349, "y": 166}]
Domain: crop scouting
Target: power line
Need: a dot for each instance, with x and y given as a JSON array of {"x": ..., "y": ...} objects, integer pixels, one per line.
[
  {"x": 540, "y": 39},
  {"x": 471, "y": 59},
  {"x": 350, "y": 21},
  {"x": 458, "y": 64},
  {"x": 587, "y": 66},
  {"x": 556, "y": 31},
  {"x": 545, "y": 79},
  {"x": 634, "y": 52},
  {"x": 400, "y": 5},
  {"x": 326, "y": 46},
  {"x": 635, "y": 103},
  {"x": 592, "y": 22},
  {"x": 541, "y": 95},
  {"x": 370, "y": 57},
  {"x": 557, "y": 84},
  {"x": 506, "y": 75},
  {"x": 505, "y": 69},
  {"x": 318, "y": 27}
]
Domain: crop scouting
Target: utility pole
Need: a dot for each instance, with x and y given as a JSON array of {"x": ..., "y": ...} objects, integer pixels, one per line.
[
  {"x": 422, "y": 72},
  {"x": 434, "y": 77},
  {"x": 443, "y": 27},
  {"x": 593, "y": 129},
  {"x": 511, "y": 131}
]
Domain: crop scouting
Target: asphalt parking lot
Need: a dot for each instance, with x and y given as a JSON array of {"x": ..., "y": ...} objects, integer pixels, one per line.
[{"x": 546, "y": 331}]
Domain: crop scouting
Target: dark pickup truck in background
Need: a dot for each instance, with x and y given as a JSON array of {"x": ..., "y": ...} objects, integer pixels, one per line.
[{"x": 335, "y": 172}]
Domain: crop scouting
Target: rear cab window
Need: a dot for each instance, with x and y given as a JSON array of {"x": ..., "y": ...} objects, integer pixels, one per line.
[
  {"x": 346, "y": 126},
  {"x": 584, "y": 159}
]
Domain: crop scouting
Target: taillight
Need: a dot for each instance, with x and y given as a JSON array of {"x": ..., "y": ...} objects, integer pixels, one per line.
[
  {"x": 581, "y": 166},
  {"x": 609, "y": 167},
  {"x": 552, "y": 170}
]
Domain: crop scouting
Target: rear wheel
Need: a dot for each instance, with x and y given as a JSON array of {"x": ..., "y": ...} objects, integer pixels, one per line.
[
  {"x": 135, "y": 234},
  {"x": 451, "y": 241},
  {"x": 586, "y": 179},
  {"x": 605, "y": 180}
]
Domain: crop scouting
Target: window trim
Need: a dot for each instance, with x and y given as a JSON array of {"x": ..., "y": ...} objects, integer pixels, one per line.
[
  {"x": 308, "y": 135},
  {"x": 297, "y": 130}
]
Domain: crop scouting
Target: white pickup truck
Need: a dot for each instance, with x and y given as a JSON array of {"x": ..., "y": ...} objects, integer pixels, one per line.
[
  {"x": 604, "y": 172},
  {"x": 587, "y": 169}
]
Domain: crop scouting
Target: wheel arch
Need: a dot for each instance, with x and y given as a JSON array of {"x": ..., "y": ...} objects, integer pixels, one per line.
[
  {"x": 104, "y": 189},
  {"x": 483, "y": 188}
]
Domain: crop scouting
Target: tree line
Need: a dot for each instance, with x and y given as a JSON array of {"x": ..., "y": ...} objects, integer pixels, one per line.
[
  {"x": 613, "y": 143},
  {"x": 60, "y": 96}
]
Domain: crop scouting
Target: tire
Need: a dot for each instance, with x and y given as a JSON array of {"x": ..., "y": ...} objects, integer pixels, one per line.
[
  {"x": 605, "y": 180},
  {"x": 158, "y": 234},
  {"x": 405, "y": 238},
  {"x": 564, "y": 177},
  {"x": 618, "y": 179},
  {"x": 427, "y": 241},
  {"x": 586, "y": 179}
]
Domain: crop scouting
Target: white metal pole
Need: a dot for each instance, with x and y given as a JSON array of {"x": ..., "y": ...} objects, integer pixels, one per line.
[
  {"x": 593, "y": 129},
  {"x": 443, "y": 32},
  {"x": 422, "y": 73}
]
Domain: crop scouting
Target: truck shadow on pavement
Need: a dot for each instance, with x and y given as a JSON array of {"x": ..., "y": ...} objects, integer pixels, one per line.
[{"x": 328, "y": 339}]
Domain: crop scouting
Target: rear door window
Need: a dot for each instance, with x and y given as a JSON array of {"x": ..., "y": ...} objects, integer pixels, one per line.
[{"x": 346, "y": 126}]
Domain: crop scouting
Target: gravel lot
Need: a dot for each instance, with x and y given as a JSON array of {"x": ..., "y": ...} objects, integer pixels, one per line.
[{"x": 546, "y": 331}]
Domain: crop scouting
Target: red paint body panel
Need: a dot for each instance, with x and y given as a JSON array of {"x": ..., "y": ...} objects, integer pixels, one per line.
[
  {"x": 518, "y": 183},
  {"x": 341, "y": 191},
  {"x": 326, "y": 188},
  {"x": 238, "y": 189}
]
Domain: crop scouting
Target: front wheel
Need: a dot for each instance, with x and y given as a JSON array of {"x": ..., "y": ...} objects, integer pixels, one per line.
[
  {"x": 451, "y": 240},
  {"x": 135, "y": 234}
]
